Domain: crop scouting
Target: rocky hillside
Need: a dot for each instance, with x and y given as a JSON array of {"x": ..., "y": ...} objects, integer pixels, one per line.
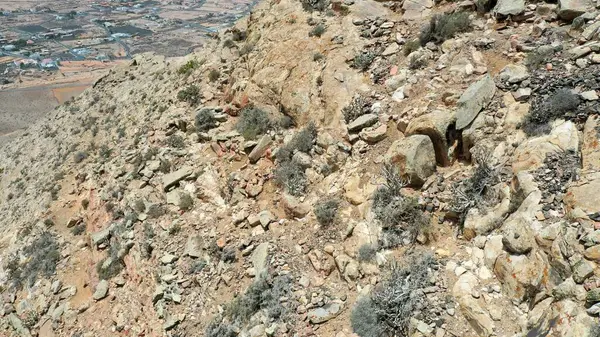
[{"x": 356, "y": 168}]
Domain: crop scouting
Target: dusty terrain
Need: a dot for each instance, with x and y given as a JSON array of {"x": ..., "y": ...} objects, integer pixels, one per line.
[{"x": 354, "y": 169}]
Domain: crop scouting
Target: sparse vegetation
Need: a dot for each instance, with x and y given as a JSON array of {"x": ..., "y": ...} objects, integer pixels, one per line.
[
  {"x": 290, "y": 174},
  {"x": 175, "y": 141},
  {"x": 85, "y": 203},
  {"x": 359, "y": 106},
  {"x": 417, "y": 62},
  {"x": 112, "y": 265},
  {"x": 205, "y": 120},
  {"x": 317, "y": 30},
  {"x": 80, "y": 156},
  {"x": 537, "y": 57},
  {"x": 442, "y": 27},
  {"x": 253, "y": 122},
  {"x": 191, "y": 94},
  {"x": 186, "y": 202},
  {"x": 318, "y": 57},
  {"x": 399, "y": 214},
  {"x": 390, "y": 306},
  {"x": 477, "y": 190},
  {"x": 411, "y": 46},
  {"x": 367, "y": 252},
  {"x": 146, "y": 245},
  {"x": 326, "y": 211},
  {"x": 38, "y": 259},
  {"x": 542, "y": 113},
  {"x": 78, "y": 229},
  {"x": 594, "y": 330},
  {"x": 363, "y": 60},
  {"x": 189, "y": 67},
  {"x": 315, "y": 5},
  {"x": 214, "y": 75}
]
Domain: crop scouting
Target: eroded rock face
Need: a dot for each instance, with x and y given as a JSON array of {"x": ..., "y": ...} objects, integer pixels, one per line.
[{"x": 414, "y": 156}]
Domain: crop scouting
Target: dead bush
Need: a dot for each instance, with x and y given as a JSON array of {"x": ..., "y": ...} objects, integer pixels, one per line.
[
  {"x": 390, "y": 306},
  {"x": 399, "y": 214},
  {"x": 477, "y": 190},
  {"x": 317, "y": 30}
]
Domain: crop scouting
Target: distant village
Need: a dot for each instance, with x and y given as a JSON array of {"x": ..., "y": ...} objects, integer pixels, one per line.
[{"x": 102, "y": 31}]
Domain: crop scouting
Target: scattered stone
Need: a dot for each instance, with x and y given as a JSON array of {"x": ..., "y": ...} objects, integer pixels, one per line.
[
  {"x": 363, "y": 122},
  {"x": 325, "y": 313},
  {"x": 260, "y": 149},
  {"x": 475, "y": 98},
  {"x": 169, "y": 180},
  {"x": 193, "y": 247},
  {"x": 514, "y": 73},
  {"x": 101, "y": 290},
  {"x": 505, "y": 8},
  {"x": 259, "y": 258},
  {"x": 589, "y": 95},
  {"x": 570, "y": 9}
]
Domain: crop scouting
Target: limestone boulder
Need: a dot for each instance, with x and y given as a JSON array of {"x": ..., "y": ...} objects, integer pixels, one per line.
[
  {"x": 415, "y": 158},
  {"x": 476, "y": 97}
]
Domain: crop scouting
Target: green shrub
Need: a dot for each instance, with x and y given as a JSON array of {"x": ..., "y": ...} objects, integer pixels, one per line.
[
  {"x": 400, "y": 215},
  {"x": 411, "y": 46},
  {"x": 238, "y": 35},
  {"x": 205, "y": 120},
  {"x": 326, "y": 211},
  {"x": 442, "y": 27},
  {"x": 417, "y": 62},
  {"x": 39, "y": 259},
  {"x": 315, "y": 5},
  {"x": 390, "y": 306},
  {"x": 175, "y": 141},
  {"x": 186, "y": 202},
  {"x": 253, "y": 122},
  {"x": 191, "y": 94},
  {"x": 188, "y": 67},
  {"x": 228, "y": 43},
  {"x": 317, "y": 30},
  {"x": 542, "y": 113},
  {"x": 213, "y": 75},
  {"x": 80, "y": 156},
  {"x": 359, "y": 106},
  {"x": 220, "y": 328},
  {"x": 78, "y": 229},
  {"x": 363, "y": 60},
  {"x": 367, "y": 252}
]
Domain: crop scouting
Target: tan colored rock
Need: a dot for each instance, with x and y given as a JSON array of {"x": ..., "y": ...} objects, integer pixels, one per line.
[
  {"x": 415, "y": 158},
  {"x": 294, "y": 207},
  {"x": 590, "y": 150},
  {"x": 435, "y": 125},
  {"x": 522, "y": 276},
  {"x": 530, "y": 154},
  {"x": 584, "y": 196},
  {"x": 476, "y": 316}
]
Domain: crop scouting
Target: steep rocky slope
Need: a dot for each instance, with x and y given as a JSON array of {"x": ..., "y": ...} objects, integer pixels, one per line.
[{"x": 352, "y": 169}]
